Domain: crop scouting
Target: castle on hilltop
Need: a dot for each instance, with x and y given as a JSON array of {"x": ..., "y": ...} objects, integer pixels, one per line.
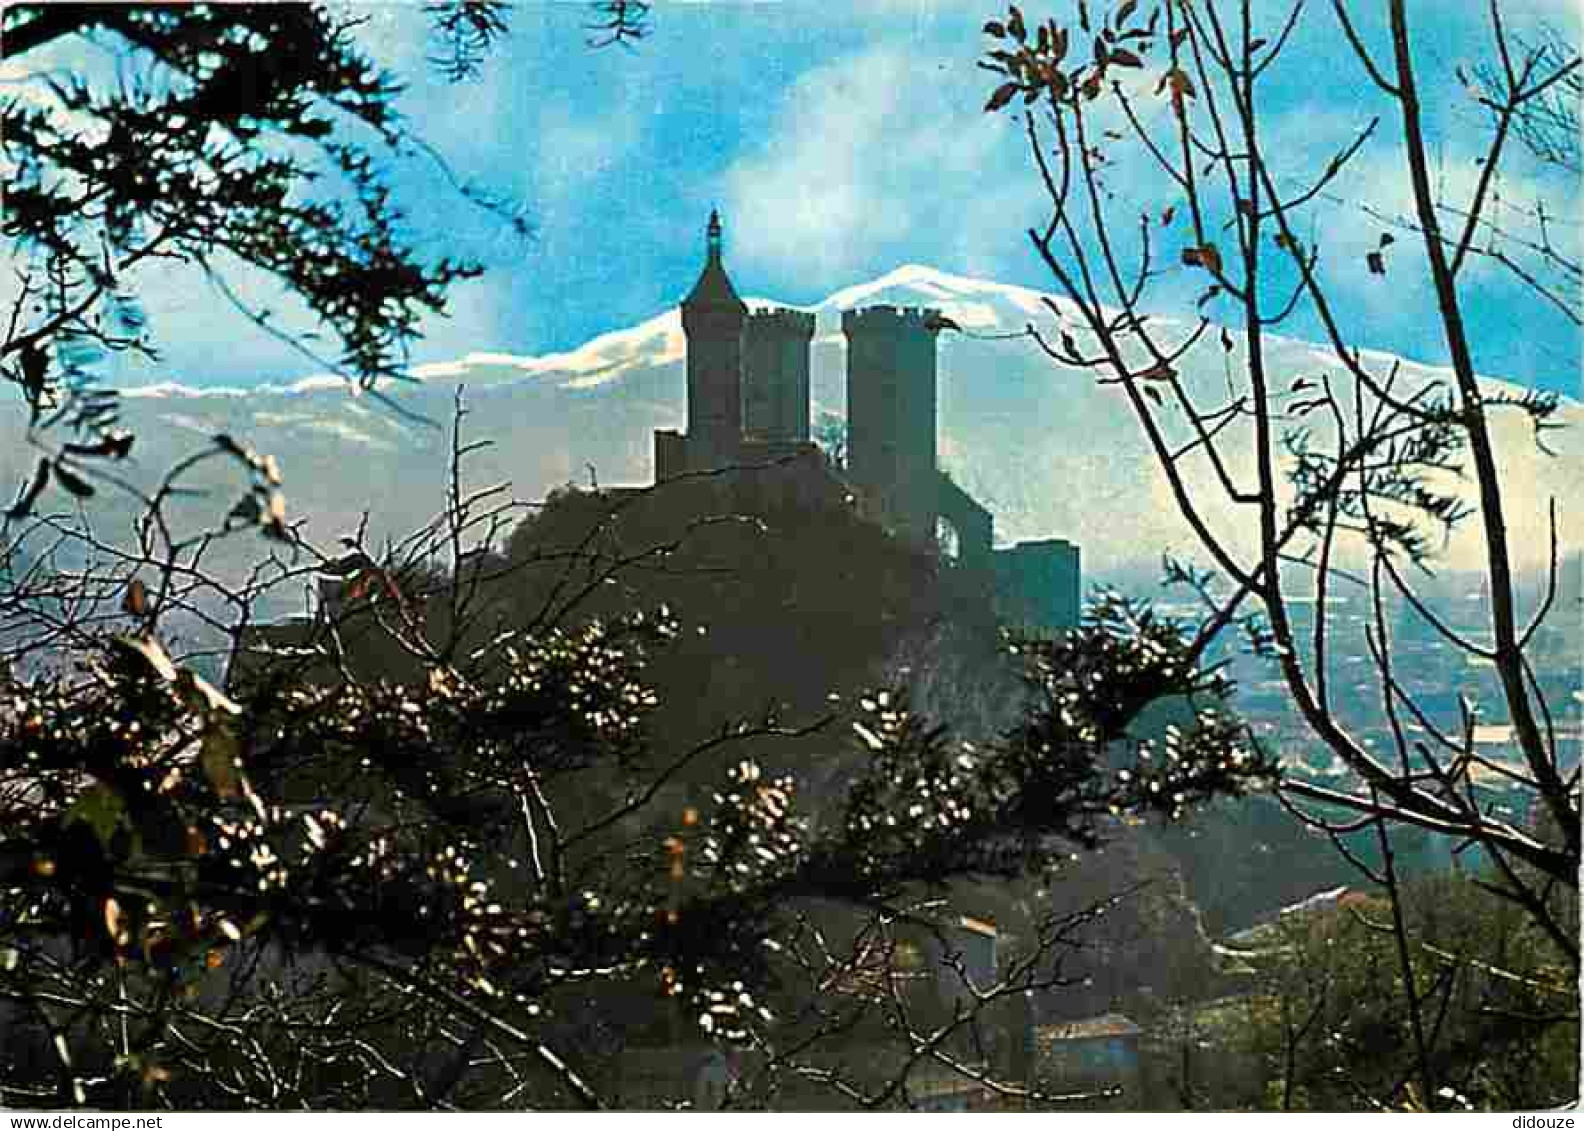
[
  {"x": 748, "y": 406},
  {"x": 748, "y": 416}
]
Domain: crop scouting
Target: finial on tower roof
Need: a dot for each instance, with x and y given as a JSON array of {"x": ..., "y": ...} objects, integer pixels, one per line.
[{"x": 714, "y": 291}]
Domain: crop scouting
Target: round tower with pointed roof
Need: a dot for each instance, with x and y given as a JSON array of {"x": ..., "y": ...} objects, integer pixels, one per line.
[{"x": 712, "y": 318}]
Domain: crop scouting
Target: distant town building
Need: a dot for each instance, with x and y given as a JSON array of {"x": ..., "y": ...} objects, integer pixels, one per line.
[{"x": 1096, "y": 1054}]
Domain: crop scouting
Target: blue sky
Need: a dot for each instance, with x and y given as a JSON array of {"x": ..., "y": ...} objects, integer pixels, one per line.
[{"x": 839, "y": 142}]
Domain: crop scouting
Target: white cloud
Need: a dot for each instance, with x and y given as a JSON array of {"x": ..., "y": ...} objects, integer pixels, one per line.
[
  {"x": 880, "y": 154},
  {"x": 572, "y": 146},
  {"x": 1373, "y": 198},
  {"x": 1567, "y": 16}
]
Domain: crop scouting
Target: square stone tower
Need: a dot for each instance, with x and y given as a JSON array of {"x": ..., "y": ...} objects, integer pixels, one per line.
[
  {"x": 775, "y": 394},
  {"x": 891, "y": 410}
]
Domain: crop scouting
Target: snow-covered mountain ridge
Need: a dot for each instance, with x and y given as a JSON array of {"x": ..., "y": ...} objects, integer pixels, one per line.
[{"x": 1047, "y": 449}]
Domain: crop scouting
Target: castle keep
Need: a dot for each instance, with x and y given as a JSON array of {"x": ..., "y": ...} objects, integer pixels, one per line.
[{"x": 748, "y": 405}]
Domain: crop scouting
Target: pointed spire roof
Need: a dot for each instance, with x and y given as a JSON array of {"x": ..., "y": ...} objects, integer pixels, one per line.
[{"x": 714, "y": 290}]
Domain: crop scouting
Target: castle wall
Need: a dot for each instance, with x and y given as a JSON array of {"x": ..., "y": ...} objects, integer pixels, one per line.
[
  {"x": 775, "y": 377},
  {"x": 1039, "y": 585},
  {"x": 891, "y": 412},
  {"x": 670, "y": 450},
  {"x": 974, "y": 525}
]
